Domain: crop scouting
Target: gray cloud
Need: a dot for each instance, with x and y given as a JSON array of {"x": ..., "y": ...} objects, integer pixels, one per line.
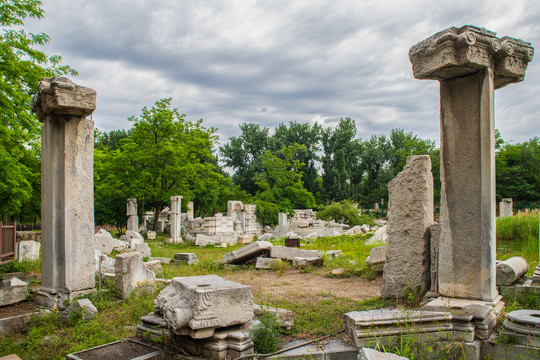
[{"x": 279, "y": 61}]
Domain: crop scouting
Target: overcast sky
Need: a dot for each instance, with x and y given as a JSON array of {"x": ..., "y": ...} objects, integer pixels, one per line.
[{"x": 272, "y": 62}]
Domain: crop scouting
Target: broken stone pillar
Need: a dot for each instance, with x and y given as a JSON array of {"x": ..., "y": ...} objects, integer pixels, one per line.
[
  {"x": 434, "y": 236},
  {"x": 133, "y": 219},
  {"x": 283, "y": 226},
  {"x": 410, "y": 214},
  {"x": 67, "y": 190},
  {"x": 132, "y": 275},
  {"x": 190, "y": 214},
  {"x": 506, "y": 208},
  {"x": 470, "y": 63},
  {"x": 176, "y": 219}
]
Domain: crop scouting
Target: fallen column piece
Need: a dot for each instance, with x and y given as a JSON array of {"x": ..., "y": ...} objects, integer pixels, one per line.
[
  {"x": 247, "y": 252},
  {"x": 377, "y": 258},
  {"x": 510, "y": 270}
]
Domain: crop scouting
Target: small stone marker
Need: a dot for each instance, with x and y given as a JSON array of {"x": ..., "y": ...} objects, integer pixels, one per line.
[
  {"x": 176, "y": 220},
  {"x": 28, "y": 250},
  {"x": 132, "y": 217},
  {"x": 187, "y": 258},
  {"x": 132, "y": 275},
  {"x": 301, "y": 262},
  {"x": 151, "y": 235},
  {"x": 12, "y": 291},
  {"x": 510, "y": 270},
  {"x": 377, "y": 258},
  {"x": 506, "y": 207}
]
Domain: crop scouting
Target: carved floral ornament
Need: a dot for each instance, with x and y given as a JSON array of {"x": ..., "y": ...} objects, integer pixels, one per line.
[{"x": 456, "y": 52}]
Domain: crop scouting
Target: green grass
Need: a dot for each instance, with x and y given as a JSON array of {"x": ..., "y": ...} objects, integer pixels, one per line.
[
  {"x": 26, "y": 267},
  {"x": 518, "y": 236},
  {"x": 51, "y": 338}
]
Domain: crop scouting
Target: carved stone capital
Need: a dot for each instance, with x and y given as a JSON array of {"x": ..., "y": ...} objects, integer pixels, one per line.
[
  {"x": 457, "y": 52},
  {"x": 61, "y": 96},
  {"x": 511, "y": 61}
]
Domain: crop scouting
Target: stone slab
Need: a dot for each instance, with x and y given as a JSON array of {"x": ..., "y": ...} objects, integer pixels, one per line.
[
  {"x": 247, "y": 252},
  {"x": 372, "y": 354},
  {"x": 332, "y": 349},
  {"x": 289, "y": 253},
  {"x": 163, "y": 260}
]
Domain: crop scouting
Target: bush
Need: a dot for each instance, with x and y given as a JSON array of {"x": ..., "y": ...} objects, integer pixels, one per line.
[
  {"x": 266, "y": 337},
  {"x": 345, "y": 212},
  {"x": 267, "y": 213}
]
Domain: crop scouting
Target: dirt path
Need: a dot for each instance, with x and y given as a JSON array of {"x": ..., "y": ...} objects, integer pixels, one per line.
[{"x": 295, "y": 282}]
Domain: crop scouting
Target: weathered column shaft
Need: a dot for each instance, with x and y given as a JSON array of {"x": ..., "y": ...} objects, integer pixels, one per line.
[
  {"x": 470, "y": 63},
  {"x": 133, "y": 218},
  {"x": 467, "y": 247},
  {"x": 67, "y": 191},
  {"x": 176, "y": 219}
]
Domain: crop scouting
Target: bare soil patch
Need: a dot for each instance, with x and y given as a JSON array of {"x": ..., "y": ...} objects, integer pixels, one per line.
[
  {"x": 17, "y": 309},
  {"x": 293, "y": 282}
]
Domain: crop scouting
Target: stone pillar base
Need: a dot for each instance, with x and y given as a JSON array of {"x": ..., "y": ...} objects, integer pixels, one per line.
[
  {"x": 484, "y": 314},
  {"x": 60, "y": 301}
]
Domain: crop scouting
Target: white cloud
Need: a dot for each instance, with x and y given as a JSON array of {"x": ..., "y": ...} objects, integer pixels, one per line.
[{"x": 227, "y": 61}]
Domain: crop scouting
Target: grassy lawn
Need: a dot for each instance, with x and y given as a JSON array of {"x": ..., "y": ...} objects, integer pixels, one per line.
[{"x": 52, "y": 338}]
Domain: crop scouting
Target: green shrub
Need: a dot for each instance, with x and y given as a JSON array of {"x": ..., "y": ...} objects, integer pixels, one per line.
[
  {"x": 345, "y": 212},
  {"x": 266, "y": 337},
  {"x": 267, "y": 213}
]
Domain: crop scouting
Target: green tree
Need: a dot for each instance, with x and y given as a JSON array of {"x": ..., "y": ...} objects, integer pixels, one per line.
[
  {"x": 167, "y": 155},
  {"x": 281, "y": 181},
  {"x": 243, "y": 154},
  {"x": 21, "y": 68},
  {"x": 307, "y": 135},
  {"x": 518, "y": 170},
  {"x": 341, "y": 161}
]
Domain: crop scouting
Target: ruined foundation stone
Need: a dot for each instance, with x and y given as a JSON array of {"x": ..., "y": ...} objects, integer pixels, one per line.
[
  {"x": 198, "y": 305},
  {"x": 67, "y": 191},
  {"x": 410, "y": 214},
  {"x": 187, "y": 258},
  {"x": 470, "y": 63}
]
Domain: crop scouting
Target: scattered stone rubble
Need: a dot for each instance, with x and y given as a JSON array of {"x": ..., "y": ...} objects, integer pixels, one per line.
[
  {"x": 187, "y": 258},
  {"x": 283, "y": 317},
  {"x": 82, "y": 308}
]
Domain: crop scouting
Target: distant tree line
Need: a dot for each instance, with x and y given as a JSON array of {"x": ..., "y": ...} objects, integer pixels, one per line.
[{"x": 297, "y": 165}]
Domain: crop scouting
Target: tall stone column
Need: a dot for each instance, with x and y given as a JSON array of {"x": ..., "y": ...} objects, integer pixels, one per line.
[
  {"x": 470, "y": 63},
  {"x": 132, "y": 217},
  {"x": 67, "y": 190},
  {"x": 176, "y": 219}
]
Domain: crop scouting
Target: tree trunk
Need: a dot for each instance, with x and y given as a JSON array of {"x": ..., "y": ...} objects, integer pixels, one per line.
[{"x": 159, "y": 205}]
